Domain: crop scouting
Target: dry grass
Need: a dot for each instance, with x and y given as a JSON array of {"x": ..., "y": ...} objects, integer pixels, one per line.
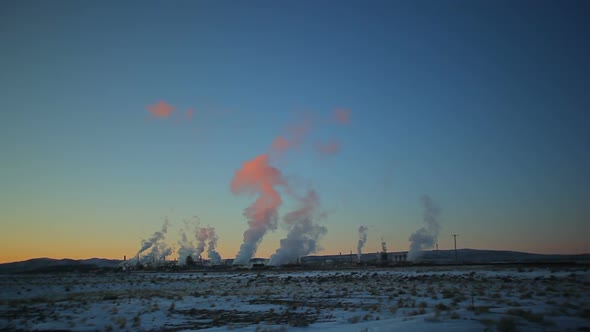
[{"x": 326, "y": 297}]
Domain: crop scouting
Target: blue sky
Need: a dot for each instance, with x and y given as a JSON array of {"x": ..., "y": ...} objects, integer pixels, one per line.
[{"x": 481, "y": 105}]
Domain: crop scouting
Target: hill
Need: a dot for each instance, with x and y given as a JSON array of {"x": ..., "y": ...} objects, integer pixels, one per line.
[
  {"x": 476, "y": 256},
  {"x": 57, "y": 265},
  {"x": 497, "y": 256}
]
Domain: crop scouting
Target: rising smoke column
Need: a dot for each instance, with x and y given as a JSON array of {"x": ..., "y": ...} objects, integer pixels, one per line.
[
  {"x": 155, "y": 238},
  {"x": 202, "y": 235},
  {"x": 186, "y": 246},
  {"x": 425, "y": 237},
  {"x": 303, "y": 233},
  {"x": 212, "y": 253},
  {"x": 207, "y": 237},
  {"x": 362, "y": 241},
  {"x": 159, "y": 252},
  {"x": 257, "y": 177},
  {"x": 159, "y": 248}
]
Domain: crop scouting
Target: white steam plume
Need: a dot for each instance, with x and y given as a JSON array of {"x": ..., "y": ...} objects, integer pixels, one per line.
[
  {"x": 157, "y": 236},
  {"x": 159, "y": 250},
  {"x": 257, "y": 177},
  {"x": 425, "y": 237},
  {"x": 202, "y": 235},
  {"x": 303, "y": 233},
  {"x": 212, "y": 253},
  {"x": 186, "y": 246},
  {"x": 362, "y": 241}
]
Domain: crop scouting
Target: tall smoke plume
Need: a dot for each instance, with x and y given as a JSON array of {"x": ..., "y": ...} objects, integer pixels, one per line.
[
  {"x": 212, "y": 253},
  {"x": 185, "y": 248},
  {"x": 362, "y": 241},
  {"x": 257, "y": 177},
  {"x": 426, "y": 236},
  {"x": 303, "y": 233},
  {"x": 202, "y": 235},
  {"x": 206, "y": 238},
  {"x": 186, "y": 245},
  {"x": 158, "y": 249}
]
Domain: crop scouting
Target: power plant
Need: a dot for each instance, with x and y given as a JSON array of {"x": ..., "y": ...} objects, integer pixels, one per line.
[{"x": 295, "y": 249}]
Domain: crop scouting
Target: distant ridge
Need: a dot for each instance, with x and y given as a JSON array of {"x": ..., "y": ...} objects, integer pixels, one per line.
[
  {"x": 430, "y": 256},
  {"x": 497, "y": 256},
  {"x": 55, "y": 265}
]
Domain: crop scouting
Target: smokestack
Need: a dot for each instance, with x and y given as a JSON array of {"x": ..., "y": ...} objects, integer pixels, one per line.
[
  {"x": 362, "y": 241},
  {"x": 425, "y": 237}
]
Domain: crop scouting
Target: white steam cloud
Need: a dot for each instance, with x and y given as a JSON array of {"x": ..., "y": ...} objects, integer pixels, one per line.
[
  {"x": 158, "y": 249},
  {"x": 362, "y": 241},
  {"x": 186, "y": 245},
  {"x": 207, "y": 238},
  {"x": 303, "y": 235},
  {"x": 425, "y": 237},
  {"x": 212, "y": 253}
]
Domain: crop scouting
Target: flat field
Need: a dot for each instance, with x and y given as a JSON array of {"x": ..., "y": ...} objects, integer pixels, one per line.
[{"x": 466, "y": 298}]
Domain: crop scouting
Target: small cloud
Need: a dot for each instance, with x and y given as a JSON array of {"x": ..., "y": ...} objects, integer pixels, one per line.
[
  {"x": 280, "y": 144},
  {"x": 189, "y": 113},
  {"x": 294, "y": 136},
  {"x": 161, "y": 109},
  {"x": 329, "y": 148},
  {"x": 341, "y": 116}
]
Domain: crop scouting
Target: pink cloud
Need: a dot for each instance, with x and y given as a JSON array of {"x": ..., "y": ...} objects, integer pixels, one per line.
[
  {"x": 161, "y": 109},
  {"x": 341, "y": 116},
  {"x": 280, "y": 144},
  {"x": 189, "y": 113},
  {"x": 293, "y": 138},
  {"x": 329, "y": 148}
]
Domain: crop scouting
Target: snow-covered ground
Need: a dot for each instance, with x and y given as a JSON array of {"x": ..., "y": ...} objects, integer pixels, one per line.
[{"x": 410, "y": 299}]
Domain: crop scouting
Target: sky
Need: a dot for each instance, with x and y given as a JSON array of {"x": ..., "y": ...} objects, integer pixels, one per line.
[{"x": 118, "y": 115}]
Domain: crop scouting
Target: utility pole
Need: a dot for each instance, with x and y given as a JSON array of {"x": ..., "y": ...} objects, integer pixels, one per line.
[{"x": 455, "y": 238}]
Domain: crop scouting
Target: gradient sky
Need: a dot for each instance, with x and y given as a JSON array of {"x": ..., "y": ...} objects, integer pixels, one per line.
[{"x": 483, "y": 105}]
